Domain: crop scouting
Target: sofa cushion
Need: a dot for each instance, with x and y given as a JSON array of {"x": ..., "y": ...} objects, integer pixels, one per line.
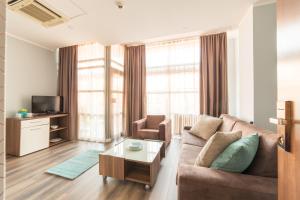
[
  {"x": 216, "y": 145},
  {"x": 206, "y": 126},
  {"x": 148, "y": 134},
  {"x": 188, "y": 138},
  {"x": 201, "y": 183},
  {"x": 265, "y": 161},
  {"x": 238, "y": 156},
  {"x": 153, "y": 121},
  {"x": 228, "y": 123},
  {"x": 189, "y": 154}
]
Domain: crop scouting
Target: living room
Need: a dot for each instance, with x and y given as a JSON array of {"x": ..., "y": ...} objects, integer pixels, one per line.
[{"x": 128, "y": 99}]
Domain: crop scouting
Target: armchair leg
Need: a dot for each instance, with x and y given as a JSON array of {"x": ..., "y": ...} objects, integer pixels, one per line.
[{"x": 163, "y": 151}]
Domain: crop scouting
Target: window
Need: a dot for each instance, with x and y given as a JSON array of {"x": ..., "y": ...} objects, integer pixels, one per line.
[
  {"x": 117, "y": 75},
  {"x": 173, "y": 79},
  {"x": 91, "y": 94}
]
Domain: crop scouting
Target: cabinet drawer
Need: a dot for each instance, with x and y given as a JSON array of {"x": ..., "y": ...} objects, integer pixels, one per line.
[
  {"x": 33, "y": 139},
  {"x": 35, "y": 122}
]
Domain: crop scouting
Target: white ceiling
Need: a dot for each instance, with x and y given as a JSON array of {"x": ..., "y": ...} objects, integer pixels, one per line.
[{"x": 139, "y": 20}]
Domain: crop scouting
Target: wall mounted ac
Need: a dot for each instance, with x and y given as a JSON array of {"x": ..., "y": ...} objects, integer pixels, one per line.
[{"x": 37, "y": 11}]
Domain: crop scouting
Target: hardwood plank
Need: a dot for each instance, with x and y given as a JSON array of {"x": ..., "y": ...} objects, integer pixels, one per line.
[{"x": 26, "y": 177}]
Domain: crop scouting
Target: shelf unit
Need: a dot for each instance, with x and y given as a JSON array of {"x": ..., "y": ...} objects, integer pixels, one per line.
[
  {"x": 28, "y": 135},
  {"x": 137, "y": 172},
  {"x": 61, "y": 121},
  {"x": 57, "y": 129}
]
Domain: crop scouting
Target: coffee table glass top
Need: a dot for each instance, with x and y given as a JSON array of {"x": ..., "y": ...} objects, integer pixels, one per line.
[{"x": 147, "y": 154}]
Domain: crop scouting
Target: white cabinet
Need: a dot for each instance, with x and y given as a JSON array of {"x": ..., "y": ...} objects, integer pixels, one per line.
[
  {"x": 35, "y": 122},
  {"x": 28, "y": 135},
  {"x": 34, "y": 136}
]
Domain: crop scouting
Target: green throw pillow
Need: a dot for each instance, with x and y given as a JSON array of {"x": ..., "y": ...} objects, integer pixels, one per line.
[{"x": 237, "y": 156}]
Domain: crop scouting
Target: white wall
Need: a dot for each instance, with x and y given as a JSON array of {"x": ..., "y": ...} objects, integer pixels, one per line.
[
  {"x": 265, "y": 64},
  {"x": 245, "y": 72},
  {"x": 257, "y": 74},
  {"x": 31, "y": 70},
  {"x": 231, "y": 69}
]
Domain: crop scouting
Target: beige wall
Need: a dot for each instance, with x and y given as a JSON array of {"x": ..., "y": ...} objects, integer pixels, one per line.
[
  {"x": 2, "y": 110},
  {"x": 31, "y": 70}
]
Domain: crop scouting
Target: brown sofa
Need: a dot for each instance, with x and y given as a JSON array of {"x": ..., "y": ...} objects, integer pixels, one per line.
[
  {"x": 155, "y": 127},
  {"x": 258, "y": 182}
]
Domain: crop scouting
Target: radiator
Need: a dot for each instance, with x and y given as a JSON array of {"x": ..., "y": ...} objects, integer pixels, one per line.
[{"x": 180, "y": 121}]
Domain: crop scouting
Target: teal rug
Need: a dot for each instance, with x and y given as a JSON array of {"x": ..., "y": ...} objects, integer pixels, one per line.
[{"x": 77, "y": 165}]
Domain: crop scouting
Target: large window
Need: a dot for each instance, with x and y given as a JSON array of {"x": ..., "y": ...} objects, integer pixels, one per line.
[
  {"x": 117, "y": 75},
  {"x": 99, "y": 90},
  {"x": 173, "y": 79},
  {"x": 91, "y": 92}
]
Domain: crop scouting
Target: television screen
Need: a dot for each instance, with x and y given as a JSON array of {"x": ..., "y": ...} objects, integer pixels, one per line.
[{"x": 47, "y": 104}]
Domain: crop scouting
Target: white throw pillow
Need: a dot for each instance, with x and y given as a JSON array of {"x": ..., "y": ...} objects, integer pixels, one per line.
[
  {"x": 206, "y": 126},
  {"x": 216, "y": 145}
]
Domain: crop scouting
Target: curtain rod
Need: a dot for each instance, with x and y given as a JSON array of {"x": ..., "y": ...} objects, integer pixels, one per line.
[
  {"x": 178, "y": 38},
  {"x": 171, "y": 41}
]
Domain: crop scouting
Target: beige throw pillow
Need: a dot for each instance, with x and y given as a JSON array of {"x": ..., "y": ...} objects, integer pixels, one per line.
[
  {"x": 216, "y": 145},
  {"x": 206, "y": 126}
]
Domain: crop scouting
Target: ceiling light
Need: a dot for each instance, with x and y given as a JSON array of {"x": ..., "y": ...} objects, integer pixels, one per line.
[{"x": 120, "y": 3}]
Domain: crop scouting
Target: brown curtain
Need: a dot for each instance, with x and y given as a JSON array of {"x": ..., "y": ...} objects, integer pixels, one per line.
[
  {"x": 134, "y": 86},
  {"x": 67, "y": 87},
  {"x": 213, "y": 75}
]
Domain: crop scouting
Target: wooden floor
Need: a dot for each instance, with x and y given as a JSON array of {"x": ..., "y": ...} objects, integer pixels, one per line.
[{"x": 26, "y": 177}]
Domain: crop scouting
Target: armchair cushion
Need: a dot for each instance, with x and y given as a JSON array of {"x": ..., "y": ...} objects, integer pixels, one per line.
[
  {"x": 155, "y": 127},
  {"x": 149, "y": 134},
  {"x": 153, "y": 121}
]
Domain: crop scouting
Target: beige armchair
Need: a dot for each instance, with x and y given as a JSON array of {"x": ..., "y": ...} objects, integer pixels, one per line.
[{"x": 155, "y": 127}]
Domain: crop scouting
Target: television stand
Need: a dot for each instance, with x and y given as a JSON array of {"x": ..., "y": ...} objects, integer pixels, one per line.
[{"x": 27, "y": 135}]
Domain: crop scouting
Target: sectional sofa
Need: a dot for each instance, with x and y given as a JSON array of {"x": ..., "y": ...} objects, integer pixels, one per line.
[{"x": 258, "y": 182}]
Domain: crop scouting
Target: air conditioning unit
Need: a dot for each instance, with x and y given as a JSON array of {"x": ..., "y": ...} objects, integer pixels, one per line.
[{"x": 37, "y": 11}]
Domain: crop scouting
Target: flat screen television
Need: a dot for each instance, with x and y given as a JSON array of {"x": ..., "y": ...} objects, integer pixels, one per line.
[{"x": 47, "y": 104}]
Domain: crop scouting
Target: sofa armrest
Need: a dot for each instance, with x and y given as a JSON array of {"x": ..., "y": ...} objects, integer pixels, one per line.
[
  {"x": 165, "y": 131},
  {"x": 137, "y": 125},
  {"x": 205, "y": 183}
]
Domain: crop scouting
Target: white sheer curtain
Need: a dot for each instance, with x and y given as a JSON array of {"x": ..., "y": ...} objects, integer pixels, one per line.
[
  {"x": 173, "y": 80},
  {"x": 117, "y": 75},
  {"x": 91, "y": 84}
]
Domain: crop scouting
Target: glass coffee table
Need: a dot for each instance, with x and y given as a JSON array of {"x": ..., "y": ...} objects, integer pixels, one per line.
[{"x": 138, "y": 166}]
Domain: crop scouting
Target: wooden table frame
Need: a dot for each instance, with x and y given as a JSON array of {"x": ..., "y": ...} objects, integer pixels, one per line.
[{"x": 123, "y": 169}]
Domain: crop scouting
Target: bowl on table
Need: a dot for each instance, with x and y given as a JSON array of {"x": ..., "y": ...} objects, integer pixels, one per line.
[{"x": 135, "y": 146}]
